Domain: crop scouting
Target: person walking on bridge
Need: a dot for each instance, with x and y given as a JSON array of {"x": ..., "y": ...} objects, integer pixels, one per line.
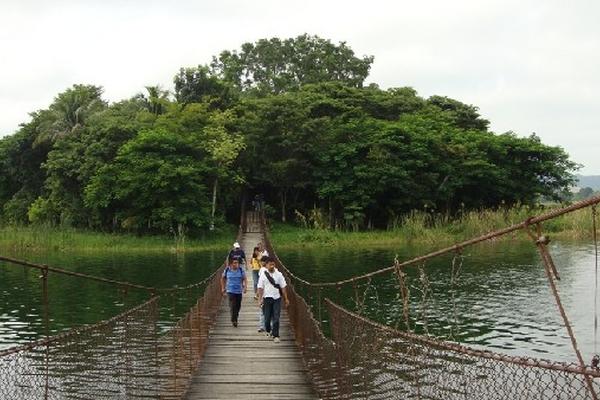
[
  {"x": 255, "y": 263},
  {"x": 234, "y": 283},
  {"x": 261, "y": 314},
  {"x": 271, "y": 287},
  {"x": 238, "y": 253}
]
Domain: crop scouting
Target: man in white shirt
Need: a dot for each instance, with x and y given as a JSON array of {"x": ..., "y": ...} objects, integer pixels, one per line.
[
  {"x": 271, "y": 287},
  {"x": 261, "y": 315}
]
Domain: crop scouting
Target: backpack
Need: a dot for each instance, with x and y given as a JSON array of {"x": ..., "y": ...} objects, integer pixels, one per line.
[{"x": 227, "y": 269}]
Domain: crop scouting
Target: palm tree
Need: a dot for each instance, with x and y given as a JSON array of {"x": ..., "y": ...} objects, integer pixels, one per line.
[
  {"x": 69, "y": 112},
  {"x": 157, "y": 99}
]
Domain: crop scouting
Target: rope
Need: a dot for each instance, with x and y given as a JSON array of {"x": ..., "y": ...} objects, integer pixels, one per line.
[
  {"x": 44, "y": 267},
  {"x": 123, "y": 284},
  {"x": 595, "y": 236},
  {"x": 451, "y": 346},
  {"x": 457, "y": 247},
  {"x": 541, "y": 241}
]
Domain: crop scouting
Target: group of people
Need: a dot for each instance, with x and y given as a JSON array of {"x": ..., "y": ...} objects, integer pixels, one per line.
[{"x": 269, "y": 287}]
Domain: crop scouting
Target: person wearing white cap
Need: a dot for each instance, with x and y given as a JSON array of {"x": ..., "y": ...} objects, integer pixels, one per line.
[{"x": 238, "y": 253}]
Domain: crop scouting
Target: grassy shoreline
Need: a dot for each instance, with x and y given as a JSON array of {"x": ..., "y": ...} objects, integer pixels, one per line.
[
  {"x": 436, "y": 231},
  {"x": 417, "y": 228},
  {"x": 35, "y": 238}
]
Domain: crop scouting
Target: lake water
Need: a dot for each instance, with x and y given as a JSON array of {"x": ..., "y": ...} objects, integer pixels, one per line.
[
  {"x": 501, "y": 299},
  {"x": 75, "y": 301}
]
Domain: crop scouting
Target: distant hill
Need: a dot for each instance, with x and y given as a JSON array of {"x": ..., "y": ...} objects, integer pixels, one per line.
[{"x": 592, "y": 181}]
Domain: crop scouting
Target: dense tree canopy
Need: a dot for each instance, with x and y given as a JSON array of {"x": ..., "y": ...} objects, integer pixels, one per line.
[
  {"x": 272, "y": 66},
  {"x": 290, "y": 119}
]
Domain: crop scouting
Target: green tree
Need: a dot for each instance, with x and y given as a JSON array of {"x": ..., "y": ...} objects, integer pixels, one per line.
[
  {"x": 465, "y": 116},
  {"x": 275, "y": 65},
  {"x": 156, "y": 100},
  {"x": 223, "y": 147},
  {"x": 75, "y": 159},
  {"x": 161, "y": 177},
  {"x": 197, "y": 85},
  {"x": 69, "y": 111},
  {"x": 21, "y": 174},
  {"x": 287, "y": 118}
]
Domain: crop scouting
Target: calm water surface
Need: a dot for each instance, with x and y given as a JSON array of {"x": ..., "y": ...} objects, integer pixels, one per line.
[
  {"x": 500, "y": 300},
  {"x": 75, "y": 301}
]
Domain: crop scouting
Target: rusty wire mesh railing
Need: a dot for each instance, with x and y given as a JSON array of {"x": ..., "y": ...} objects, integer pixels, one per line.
[
  {"x": 363, "y": 359},
  {"x": 348, "y": 356},
  {"x": 138, "y": 353},
  {"x": 185, "y": 343},
  {"x": 128, "y": 356},
  {"x": 375, "y": 361}
]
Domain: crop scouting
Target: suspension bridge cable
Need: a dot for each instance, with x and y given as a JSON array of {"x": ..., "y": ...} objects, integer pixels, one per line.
[{"x": 456, "y": 247}]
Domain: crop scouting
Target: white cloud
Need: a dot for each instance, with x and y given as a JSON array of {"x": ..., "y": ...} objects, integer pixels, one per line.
[{"x": 529, "y": 66}]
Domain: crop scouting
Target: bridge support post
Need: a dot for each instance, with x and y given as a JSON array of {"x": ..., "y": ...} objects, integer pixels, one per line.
[{"x": 541, "y": 242}]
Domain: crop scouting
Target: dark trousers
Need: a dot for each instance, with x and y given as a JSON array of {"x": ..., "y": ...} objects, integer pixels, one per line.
[
  {"x": 235, "y": 303},
  {"x": 272, "y": 311}
]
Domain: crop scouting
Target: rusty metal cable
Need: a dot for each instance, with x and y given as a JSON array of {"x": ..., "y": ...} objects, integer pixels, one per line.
[
  {"x": 455, "y": 347},
  {"x": 456, "y": 247},
  {"x": 393, "y": 363},
  {"x": 595, "y": 238},
  {"x": 123, "y": 284}
]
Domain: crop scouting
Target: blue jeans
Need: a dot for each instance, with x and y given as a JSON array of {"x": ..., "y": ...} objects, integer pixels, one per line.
[
  {"x": 255, "y": 278},
  {"x": 272, "y": 310}
]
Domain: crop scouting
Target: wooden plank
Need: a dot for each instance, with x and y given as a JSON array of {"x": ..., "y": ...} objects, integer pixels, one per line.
[
  {"x": 241, "y": 363},
  {"x": 219, "y": 389},
  {"x": 240, "y": 378}
]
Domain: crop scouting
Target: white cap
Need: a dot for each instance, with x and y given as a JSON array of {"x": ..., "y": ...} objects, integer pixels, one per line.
[{"x": 236, "y": 245}]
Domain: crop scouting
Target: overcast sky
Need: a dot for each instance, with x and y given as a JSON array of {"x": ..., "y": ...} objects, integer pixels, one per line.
[{"x": 531, "y": 66}]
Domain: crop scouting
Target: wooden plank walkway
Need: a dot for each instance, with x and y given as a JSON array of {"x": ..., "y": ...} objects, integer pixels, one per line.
[{"x": 241, "y": 363}]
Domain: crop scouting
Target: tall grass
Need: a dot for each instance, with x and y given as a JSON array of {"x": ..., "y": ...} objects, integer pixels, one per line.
[
  {"x": 41, "y": 238},
  {"x": 417, "y": 227},
  {"x": 438, "y": 229}
]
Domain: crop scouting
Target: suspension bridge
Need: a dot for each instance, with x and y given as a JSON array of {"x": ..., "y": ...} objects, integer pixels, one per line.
[{"x": 328, "y": 349}]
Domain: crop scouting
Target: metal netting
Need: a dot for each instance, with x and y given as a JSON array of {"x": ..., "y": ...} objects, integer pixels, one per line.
[
  {"x": 375, "y": 361},
  {"x": 134, "y": 355},
  {"x": 112, "y": 359},
  {"x": 137, "y": 354},
  {"x": 350, "y": 356}
]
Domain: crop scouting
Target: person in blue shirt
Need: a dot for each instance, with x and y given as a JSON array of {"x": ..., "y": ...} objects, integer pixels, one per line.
[{"x": 234, "y": 283}]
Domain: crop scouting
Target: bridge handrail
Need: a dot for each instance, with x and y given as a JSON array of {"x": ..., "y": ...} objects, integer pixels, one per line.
[
  {"x": 456, "y": 247},
  {"x": 340, "y": 370},
  {"x": 48, "y": 268},
  {"x": 458, "y": 348},
  {"x": 76, "y": 331},
  {"x": 124, "y": 284}
]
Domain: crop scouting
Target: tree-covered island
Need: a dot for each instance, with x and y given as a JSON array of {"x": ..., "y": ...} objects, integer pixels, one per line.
[{"x": 290, "y": 119}]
